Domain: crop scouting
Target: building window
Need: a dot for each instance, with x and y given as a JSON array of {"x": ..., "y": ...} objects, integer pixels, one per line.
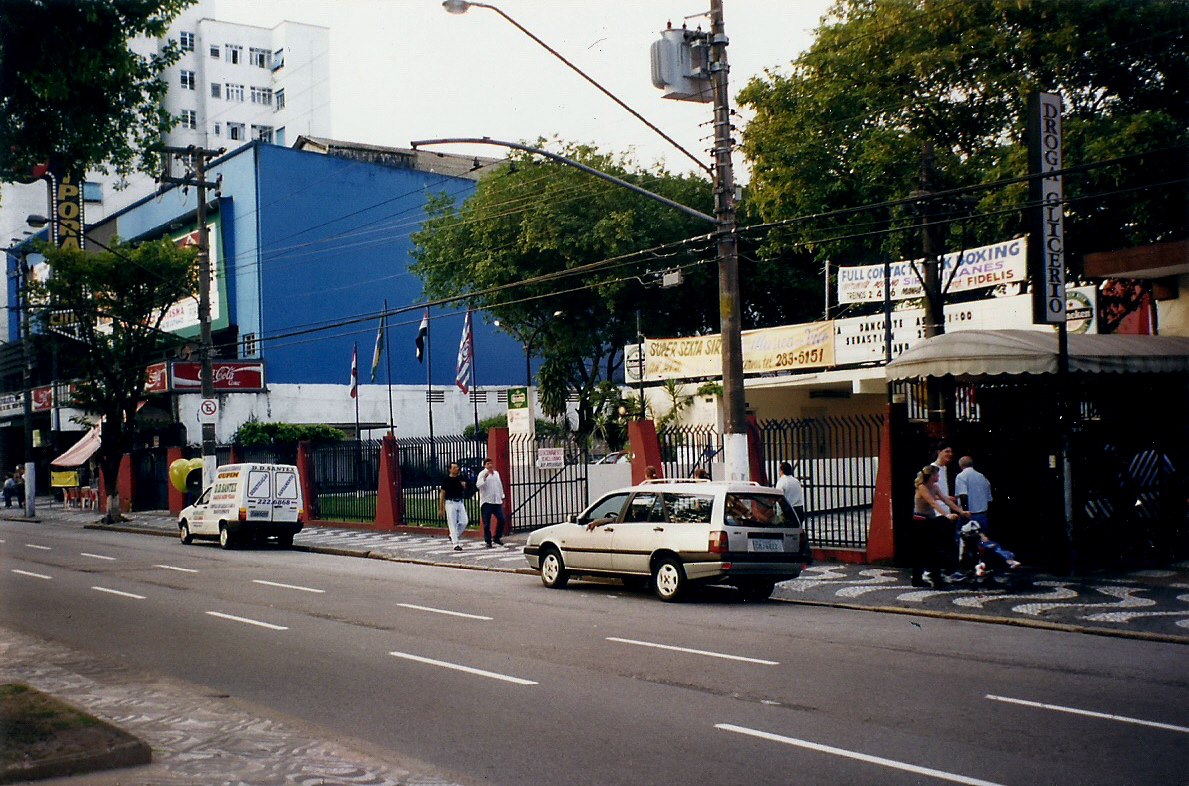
[
  {"x": 249, "y": 345},
  {"x": 278, "y": 59},
  {"x": 279, "y": 137},
  {"x": 234, "y": 92},
  {"x": 216, "y": 90},
  {"x": 92, "y": 192},
  {"x": 280, "y": 99},
  {"x": 235, "y": 131},
  {"x": 261, "y": 58},
  {"x": 187, "y": 41},
  {"x": 263, "y": 133},
  {"x": 262, "y": 95},
  {"x": 215, "y": 51},
  {"x": 235, "y": 53},
  {"x": 189, "y": 119},
  {"x": 188, "y": 80},
  {"x": 218, "y": 129}
]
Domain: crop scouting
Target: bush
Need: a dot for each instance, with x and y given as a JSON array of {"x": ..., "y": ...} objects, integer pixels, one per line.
[{"x": 255, "y": 434}]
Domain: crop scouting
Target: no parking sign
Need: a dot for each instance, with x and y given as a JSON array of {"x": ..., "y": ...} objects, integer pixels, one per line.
[{"x": 208, "y": 410}]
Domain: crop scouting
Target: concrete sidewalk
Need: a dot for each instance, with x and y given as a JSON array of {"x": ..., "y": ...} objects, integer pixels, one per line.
[{"x": 1147, "y": 604}]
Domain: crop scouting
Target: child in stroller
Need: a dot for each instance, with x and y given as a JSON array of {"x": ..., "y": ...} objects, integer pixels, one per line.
[{"x": 983, "y": 559}]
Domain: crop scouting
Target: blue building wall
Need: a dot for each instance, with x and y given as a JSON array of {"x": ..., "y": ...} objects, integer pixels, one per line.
[{"x": 334, "y": 242}]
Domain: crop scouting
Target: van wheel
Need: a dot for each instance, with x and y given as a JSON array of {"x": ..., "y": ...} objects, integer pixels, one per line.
[
  {"x": 668, "y": 579},
  {"x": 285, "y": 540},
  {"x": 225, "y": 538},
  {"x": 553, "y": 571},
  {"x": 184, "y": 534}
]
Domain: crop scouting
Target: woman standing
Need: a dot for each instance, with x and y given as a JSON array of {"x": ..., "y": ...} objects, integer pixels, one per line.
[{"x": 931, "y": 519}]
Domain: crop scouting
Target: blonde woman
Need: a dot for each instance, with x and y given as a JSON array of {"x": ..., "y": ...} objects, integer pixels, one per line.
[{"x": 931, "y": 522}]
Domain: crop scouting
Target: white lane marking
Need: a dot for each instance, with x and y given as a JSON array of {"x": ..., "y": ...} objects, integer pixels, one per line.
[
  {"x": 890, "y": 763},
  {"x": 287, "y": 586},
  {"x": 443, "y": 611},
  {"x": 39, "y": 548},
  {"x": 95, "y": 556},
  {"x": 179, "y": 570},
  {"x": 234, "y": 618},
  {"x": 33, "y": 575},
  {"x": 694, "y": 652},
  {"x": 469, "y": 670},
  {"x": 1089, "y": 713},
  {"x": 117, "y": 592}
]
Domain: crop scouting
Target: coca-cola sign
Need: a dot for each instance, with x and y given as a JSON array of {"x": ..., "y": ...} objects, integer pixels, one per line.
[
  {"x": 238, "y": 376},
  {"x": 157, "y": 378},
  {"x": 43, "y": 399}
]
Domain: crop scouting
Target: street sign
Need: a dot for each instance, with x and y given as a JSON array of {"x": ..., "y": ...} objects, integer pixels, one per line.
[
  {"x": 208, "y": 410},
  {"x": 551, "y": 458}
]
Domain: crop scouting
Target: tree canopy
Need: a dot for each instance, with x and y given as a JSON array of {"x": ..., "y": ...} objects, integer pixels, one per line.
[
  {"x": 846, "y": 126},
  {"x": 106, "y": 309},
  {"x": 73, "y": 93},
  {"x": 511, "y": 248}
]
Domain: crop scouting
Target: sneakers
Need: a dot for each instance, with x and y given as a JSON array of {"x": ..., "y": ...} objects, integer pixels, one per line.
[
  {"x": 499, "y": 542},
  {"x": 458, "y": 548},
  {"x": 488, "y": 545}
]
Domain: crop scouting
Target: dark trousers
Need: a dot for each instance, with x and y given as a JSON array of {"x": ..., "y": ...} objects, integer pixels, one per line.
[
  {"x": 487, "y": 511},
  {"x": 929, "y": 535}
]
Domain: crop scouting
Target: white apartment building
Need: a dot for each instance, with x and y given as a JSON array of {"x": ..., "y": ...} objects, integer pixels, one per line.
[{"x": 233, "y": 83}]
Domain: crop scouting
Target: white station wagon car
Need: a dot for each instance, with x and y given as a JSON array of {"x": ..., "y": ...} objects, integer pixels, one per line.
[{"x": 677, "y": 532}]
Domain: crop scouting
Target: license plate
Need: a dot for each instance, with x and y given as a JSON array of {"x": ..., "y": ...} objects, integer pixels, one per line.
[{"x": 766, "y": 544}]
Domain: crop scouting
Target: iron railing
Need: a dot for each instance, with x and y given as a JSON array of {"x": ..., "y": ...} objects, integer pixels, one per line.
[
  {"x": 543, "y": 495},
  {"x": 424, "y": 464},
  {"x": 686, "y": 448}
]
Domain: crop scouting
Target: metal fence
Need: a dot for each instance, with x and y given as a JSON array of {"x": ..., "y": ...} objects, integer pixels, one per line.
[
  {"x": 424, "y": 464},
  {"x": 837, "y": 461},
  {"x": 686, "y": 448},
  {"x": 346, "y": 476},
  {"x": 542, "y": 492}
]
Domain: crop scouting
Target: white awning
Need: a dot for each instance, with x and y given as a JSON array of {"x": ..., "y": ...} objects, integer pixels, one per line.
[
  {"x": 80, "y": 451},
  {"x": 968, "y": 353}
]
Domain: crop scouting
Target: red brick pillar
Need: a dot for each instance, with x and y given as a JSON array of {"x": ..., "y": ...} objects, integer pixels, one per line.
[
  {"x": 389, "y": 500},
  {"x": 177, "y": 499},
  {"x": 755, "y": 452},
  {"x": 500, "y": 452},
  {"x": 646, "y": 449},
  {"x": 126, "y": 484},
  {"x": 305, "y": 473},
  {"x": 880, "y": 540}
]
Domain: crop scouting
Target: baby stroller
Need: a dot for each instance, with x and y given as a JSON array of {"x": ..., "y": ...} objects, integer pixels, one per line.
[{"x": 985, "y": 561}]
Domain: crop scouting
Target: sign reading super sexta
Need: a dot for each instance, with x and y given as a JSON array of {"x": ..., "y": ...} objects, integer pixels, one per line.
[{"x": 1046, "y": 252}]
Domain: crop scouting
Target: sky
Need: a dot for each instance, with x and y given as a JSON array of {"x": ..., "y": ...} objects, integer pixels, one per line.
[{"x": 403, "y": 70}]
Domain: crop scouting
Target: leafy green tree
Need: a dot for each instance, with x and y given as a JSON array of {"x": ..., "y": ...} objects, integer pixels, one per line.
[
  {"x": 847, "y": 125},
  {"x": 73, "y": 93},
  {"x": 529, "y": 219},
  {"x": 105, "y": 310}
]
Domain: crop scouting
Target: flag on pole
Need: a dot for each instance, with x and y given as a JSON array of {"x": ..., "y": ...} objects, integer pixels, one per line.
[
  {"x": 465, "y": 375},
  {"x": 422, "y": 332},
  {"x": 379, "y": 348},
  {"x": 354, "y": 371}
]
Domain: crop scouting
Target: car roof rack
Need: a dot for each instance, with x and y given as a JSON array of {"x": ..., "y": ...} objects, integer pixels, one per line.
[{"x": 675, "y": 480}]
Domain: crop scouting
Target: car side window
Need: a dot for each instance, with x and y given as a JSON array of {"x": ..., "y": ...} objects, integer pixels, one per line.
[
  {"x": 689, "y": 508},
  {"x": 645, "y": 507},
  {"x": 606, "y": 508}
]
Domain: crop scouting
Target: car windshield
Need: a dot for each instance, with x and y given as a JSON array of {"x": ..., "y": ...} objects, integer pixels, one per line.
[{"x": 759, "y": 510}]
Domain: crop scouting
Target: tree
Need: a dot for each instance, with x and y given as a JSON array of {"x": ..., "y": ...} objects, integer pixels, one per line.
[
  {"x": 527, "y": 220},
  {"x": 106, "y": 309},
  {"x": 72, "y": 92},
  {"x": 846, "y": 127}
]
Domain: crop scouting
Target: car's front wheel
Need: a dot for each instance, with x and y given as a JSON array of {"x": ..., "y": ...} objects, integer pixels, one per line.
[
  {"x": 184, "y": 533},
  {"x": 553, "y": 571},
  {"x": 668, "y": 579}
]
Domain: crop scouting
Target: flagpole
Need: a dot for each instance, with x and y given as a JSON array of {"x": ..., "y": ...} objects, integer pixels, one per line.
[
  {"x": 429, "y": 381},
  {"x": 355, "y": 390},
  {"x": 388, "y": 368},
  {"x": 474, "y": 377}
]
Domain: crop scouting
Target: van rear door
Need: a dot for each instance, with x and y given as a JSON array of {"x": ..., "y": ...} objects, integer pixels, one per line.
[{"x": 286, "y": 494}]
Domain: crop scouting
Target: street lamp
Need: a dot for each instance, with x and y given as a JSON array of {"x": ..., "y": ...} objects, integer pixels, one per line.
[
  {"x": 528, "y": 344},
  {"x": 735, "y": 445}
]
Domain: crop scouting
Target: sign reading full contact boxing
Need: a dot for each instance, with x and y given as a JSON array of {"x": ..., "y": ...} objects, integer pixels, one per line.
[{"x": 977, "y": 268}]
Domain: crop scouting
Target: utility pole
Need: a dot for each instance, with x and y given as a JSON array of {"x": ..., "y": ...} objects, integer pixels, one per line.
[
  {"x": 730, "y": 312},
  {"x": 196, "y": 160},
  {"x": 938, "y": 409},
  {"x": 27, "y": 401}
]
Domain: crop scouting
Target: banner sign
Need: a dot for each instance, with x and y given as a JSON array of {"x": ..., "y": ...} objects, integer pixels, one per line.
[
  {"x": 551, "y": 458},
  {"x": 861, "y": 339},
  {"x": 784, "y": 348},
  {"x": 182, "y": 316},
  {"x": 231, "y": 376},
  {"x": 12, "y": 405},
  {"x": 43, "y": 399},
  {"x": 1046, "y": 221},
  {"x": 520, "y": 412},
  {"x": 977, "y": 268}
]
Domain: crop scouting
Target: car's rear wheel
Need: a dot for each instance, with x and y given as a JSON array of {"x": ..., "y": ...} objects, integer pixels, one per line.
[
  {"x": 285, "y": 540},
  {"x": 184, "y": 533},
  {"x": 668, "y": 579},
  {"x": 226, "y": 540},
  {"x": 757, "y": 589},
  {"x": 553, "y": 571}
]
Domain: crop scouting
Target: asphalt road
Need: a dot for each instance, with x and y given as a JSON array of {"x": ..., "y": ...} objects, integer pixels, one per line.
[{"x": 491, "y": 678}]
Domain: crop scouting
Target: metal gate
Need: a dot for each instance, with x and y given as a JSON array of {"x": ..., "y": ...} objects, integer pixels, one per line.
[
  {"x": 543, "y": 492},
  {"x": 150, "y": 467}
]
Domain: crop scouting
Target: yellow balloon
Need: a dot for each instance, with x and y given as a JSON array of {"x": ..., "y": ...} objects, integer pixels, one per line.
[{"x": 178, "y": 470}]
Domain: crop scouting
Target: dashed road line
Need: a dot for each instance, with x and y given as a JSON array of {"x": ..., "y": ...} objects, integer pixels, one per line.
[
  {"x": 174, "y": 567},
  {"x": 444, "y": 611},
  {"x": 707, "y": 653},
  {"x": 287, "y": 586},
  {"x": 96, "y": 556},
  {"x": 458, "y": 667},
  {"x": 1090, "y": 713},
  {"x": 31, "y": 575},
  {"x": 119, "y": 592},
  {"x": 246, "y": 620},
  {"x": 39, "y": 548}
]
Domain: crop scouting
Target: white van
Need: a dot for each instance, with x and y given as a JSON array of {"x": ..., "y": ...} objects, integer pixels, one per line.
[{"x": 247, "y": 502}]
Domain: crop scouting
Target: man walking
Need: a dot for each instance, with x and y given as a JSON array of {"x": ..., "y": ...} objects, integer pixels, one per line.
[
  {"x": 452, "y": 507},
  {"x": 791, "y": 488},
  {"x": 974, "y": 492},
  {"x": 491, "y": 503}
]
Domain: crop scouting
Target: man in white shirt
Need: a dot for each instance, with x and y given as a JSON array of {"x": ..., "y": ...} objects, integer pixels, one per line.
[
  {"x": 491, "y": 503},
  {"x": 973, "y": 491},
  {"x": 791, "y": 488}
]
